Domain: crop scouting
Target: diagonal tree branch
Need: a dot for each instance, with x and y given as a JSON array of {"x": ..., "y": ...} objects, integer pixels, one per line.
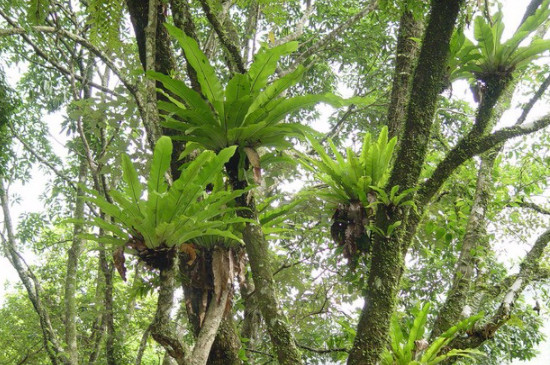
[
  {"x": 130, "y": 85},
  {"x": 299, "y": 27},
  {"x": 536, "y": 97},
  {"x": 472, "y": 146},
  {"x": 529, "y": 270},
  {"x": 537, "y": 208},
  {"x": 323, "y": 42},
  {"x": 56, "y": 65}
]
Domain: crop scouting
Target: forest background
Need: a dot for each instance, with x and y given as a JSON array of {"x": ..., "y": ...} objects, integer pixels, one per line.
[{"x": 455, "y": 227}]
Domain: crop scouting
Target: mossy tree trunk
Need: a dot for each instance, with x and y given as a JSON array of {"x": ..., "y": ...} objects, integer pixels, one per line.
[
  {"x": 387, "y": 253},
  {"x": 474, "y": 239}
]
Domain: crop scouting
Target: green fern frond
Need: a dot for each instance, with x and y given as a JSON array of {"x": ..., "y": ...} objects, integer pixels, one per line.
[{"x": 352, "y": 177}]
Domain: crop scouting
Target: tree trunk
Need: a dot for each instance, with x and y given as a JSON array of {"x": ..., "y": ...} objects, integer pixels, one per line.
[
  {"x": 31, "y": 284},
  {"x": 406, "y": 55},
  {"x": 72, "y": 267},
  {"x": 198, "y": 285},
  {"x": 258, "y": 255},
  {"x": 387, "y": 259},
  {"x": 457, "y": 297}
]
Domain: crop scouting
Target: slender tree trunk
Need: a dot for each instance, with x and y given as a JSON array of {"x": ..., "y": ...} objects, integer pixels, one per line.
[
  {"x": 258, "y": 255},
  {"x": 162, "y": 328},
  {"x": 475, "y": 237},
  {"x": 197, "y": 282},
  {"x": 31, "y": 284},
  {"x": 226, "y": 346},
  {"x": 107, "y": 271},
  {"x": 72, "y": 267},
  {"x": 252, "y": 315}
]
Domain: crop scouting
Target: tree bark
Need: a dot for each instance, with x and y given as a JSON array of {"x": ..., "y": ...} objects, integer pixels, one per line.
[
  {"x": 162, "y": 328},
  {"x": 406, "y": 54},
  {"x": 457, "y": 297},
  {"x": 528, "y": 271}
]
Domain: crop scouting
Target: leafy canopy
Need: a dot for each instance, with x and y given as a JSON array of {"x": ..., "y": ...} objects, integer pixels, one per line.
[
  {"x": 248, "y": 112},
  {"x": 351, "y": 178},
  {"x": 169, "y": 215}
]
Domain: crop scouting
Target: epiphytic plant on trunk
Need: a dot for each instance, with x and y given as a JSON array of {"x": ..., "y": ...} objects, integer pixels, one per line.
[
  {"x": 170, "y": 215},
  {"x": 249, "y": 112},
  {"x": 354, "y": 186},
  {"x": 491, "y": 57},
  {"x": 415, "y": 350}
]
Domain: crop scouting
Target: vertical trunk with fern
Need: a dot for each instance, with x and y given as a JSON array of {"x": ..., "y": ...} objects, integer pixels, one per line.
[
  {"x": 387, "y": 253},
  {"x": 224, "y": 347}
]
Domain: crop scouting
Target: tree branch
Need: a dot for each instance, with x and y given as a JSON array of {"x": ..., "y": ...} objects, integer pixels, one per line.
[
  {"x": 233, "y": 50},
  {"x": 527, "y": 108},
  {"x": 161, "y": 328},
  {"x": 51, "y": 61},
  {"x": 529, "y": 205},
  {"x": 373, "y": 4},
  {"x": 472, "y": 146},
  {"x": 34, "y": 290},
  {"x": 299, "y": 28},
  {"x": 529, "y": 269},
  {"x": 142, "y": 345},
  {"x": 131, "y": 86}
]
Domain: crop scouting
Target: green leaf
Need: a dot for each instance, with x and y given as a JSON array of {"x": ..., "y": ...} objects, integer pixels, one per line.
[
  {"x": 189, "y": 96},
  {"x": 417, "y": 329},
  {"x": 265, "y": 64},
  {"x": 133, "y": 186},
  {"x": 288, "y": 106},
  {"x": 237, "y": 88},
  {"x": 160, "y": 164},
  {"x": 210, "y": 85},
  {"x": 271, "y": 93}
]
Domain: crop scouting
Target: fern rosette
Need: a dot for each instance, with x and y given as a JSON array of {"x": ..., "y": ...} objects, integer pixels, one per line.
[
  {"x": 250, "y": 112},
  {"x": 415, "y": 350},
  {"x": 168, "y": 216},
  {"x": 492, "y": 60},
  {"x": 353, "y": 185}
]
